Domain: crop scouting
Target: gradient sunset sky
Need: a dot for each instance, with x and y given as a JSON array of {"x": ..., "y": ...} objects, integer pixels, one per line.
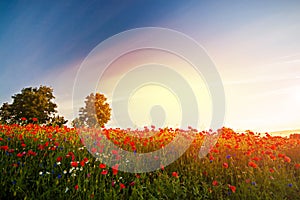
[{"x": 255, "y": 46}]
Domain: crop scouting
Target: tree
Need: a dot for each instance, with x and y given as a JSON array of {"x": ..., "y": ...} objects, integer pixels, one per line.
[
  {"x": 77, "y": 122},
  {"x": 30, "y": 106},
  {"x": 96, "y": 112},
  {"x": 5, "y": 113},
  {"x": 57, "y": 121}
]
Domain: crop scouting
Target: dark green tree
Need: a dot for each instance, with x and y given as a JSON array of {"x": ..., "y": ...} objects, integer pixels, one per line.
[
  {"x": 5, "y": 113},
  {"x": 30, "y": 106},
  {"x": 96, "y": 112},
  {"x": 57, "y": 121}
]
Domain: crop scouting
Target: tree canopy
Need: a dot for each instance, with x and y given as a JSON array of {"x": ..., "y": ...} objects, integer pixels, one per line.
[
  {"x": 96, "y": 112},
  {"x": 32, "y": 105}
]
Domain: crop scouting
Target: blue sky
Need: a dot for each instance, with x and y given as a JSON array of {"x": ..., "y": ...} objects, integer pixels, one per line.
[{"x": 254, "y": 44}]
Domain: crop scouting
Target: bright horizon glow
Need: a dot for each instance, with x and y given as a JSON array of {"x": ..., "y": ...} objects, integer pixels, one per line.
[
  {"x": 146, "y": 58},
  {"x": 254, "y": 45},
  {"x": 145, "y": 98}
]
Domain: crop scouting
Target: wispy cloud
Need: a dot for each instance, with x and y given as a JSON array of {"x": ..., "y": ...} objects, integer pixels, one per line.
[{"x": 290, "y": 56}]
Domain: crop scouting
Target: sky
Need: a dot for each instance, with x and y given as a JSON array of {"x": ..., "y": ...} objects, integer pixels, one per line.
[{"x": 255, "y": 46}]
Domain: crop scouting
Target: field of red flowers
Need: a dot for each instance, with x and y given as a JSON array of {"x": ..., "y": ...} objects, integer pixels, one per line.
[{"x": 42, "y": 162}]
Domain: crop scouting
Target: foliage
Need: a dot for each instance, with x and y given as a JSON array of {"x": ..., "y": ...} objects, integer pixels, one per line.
[
  {"x": 40, "y": 162},
  {"x": 32, "y": 105},
  {"x": 5, "y": 113},
  {"x": 77, "y": 122},
  {"x": 57, "y": 121},
  {"x": 96, "y": 112}
]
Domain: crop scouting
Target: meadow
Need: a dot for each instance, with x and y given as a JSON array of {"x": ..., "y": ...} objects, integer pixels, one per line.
[{"x": 45, "y": 162}]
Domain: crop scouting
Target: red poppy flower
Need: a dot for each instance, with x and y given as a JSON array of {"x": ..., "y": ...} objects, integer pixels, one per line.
[
  {"x": 118, "y": 157},
  {"x": 104, "y": 172},
  {"x": 31, "y": 153},
  {"x": 115, "y": 169},
  {"x": 10, "y": 150},
  {"x": 102, "y": 166},
  {"x": 94, "y": 150},
  {"x": 41, "y": 147},
  {"x": 114, "y": 152},
  {"x": 215, "y": 183},
  {"x": 273, "y": 157},
  {"x": 225, "y": 165},
  {"x": 280, "y": 155},
  {"x": 132, "y": 183},
  {"x": 71, "y": 154},
  {"x": 74, "y": 164},
  {"x": 15, "y": 165},
  {"x": 122, "y": 186},
  {"x": 19, "y": 155},
  {"x": 287, "y": 159},
  {"x": 138, "y": 176},
  {"x": 255, "y": 158},
  {"x": 232, "y": 188},
  {"x": 85, "y": 160},
  {"x": 58, "y": 159},
  {"x": 175, "y": 174},
  {"x": 76, "y": 187},
  {"x": 205, "y": 173},
  {"x": 252, "y": 164}
]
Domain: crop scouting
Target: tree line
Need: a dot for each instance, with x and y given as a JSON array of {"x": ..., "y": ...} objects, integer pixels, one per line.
[{"x": 36, "y": 105}]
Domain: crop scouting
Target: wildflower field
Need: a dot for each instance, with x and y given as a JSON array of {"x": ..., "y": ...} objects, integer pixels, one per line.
[{"x": 45, "y": 162}]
